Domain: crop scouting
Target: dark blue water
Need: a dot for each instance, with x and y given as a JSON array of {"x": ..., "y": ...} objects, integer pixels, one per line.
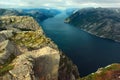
[{"x": 88, "y": 52}]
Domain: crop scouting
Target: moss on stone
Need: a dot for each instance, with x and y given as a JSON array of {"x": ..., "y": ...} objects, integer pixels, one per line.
[
  {"x": 5, "y": 69},
  {"x": 7, "y": 66},
  {"x": 30, "y": 39}
]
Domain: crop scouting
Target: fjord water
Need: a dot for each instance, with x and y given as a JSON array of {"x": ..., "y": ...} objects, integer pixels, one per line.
[{"x": 88, "y": 52}]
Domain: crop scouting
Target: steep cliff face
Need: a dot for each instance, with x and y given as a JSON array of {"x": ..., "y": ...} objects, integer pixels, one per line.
[
  {"x": 67, "y": 71},
  {"x": 41, "y": 64},
  {"x": 102, "y": 22},
  {"x": 27, "y": 54}
]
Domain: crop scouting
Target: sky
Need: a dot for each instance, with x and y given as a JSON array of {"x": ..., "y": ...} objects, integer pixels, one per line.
[{"x": 58, "y": 3}]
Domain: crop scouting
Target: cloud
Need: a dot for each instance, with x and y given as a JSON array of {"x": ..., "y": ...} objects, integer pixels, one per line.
[
  {"x": 97, "y": 1},
  {"x": 12, "y": 4},
  {"x": 58, "y": 3}
]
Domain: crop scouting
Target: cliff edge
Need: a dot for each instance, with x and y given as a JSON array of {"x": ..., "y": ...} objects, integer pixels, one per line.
[{"x": 27, "y": 54}]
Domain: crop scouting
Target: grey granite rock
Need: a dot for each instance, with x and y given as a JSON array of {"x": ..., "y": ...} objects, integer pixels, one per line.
[{"x": 36, "y": 57}]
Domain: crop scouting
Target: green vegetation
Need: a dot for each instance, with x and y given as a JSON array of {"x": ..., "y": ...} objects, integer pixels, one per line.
[
  {"x": 5, "y": 69},
  {"x": 7, "y": 66},
  {"x": 31, "y": 39},
  {"x": 102, "y": 73}
]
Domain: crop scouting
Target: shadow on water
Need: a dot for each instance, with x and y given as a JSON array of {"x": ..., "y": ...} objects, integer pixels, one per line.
[{"x": 88, "y": 52}]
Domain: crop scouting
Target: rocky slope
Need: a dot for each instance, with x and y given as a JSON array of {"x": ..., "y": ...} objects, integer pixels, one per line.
[
  {"x": 27, "y": 54},
  {"x": 110, "y": 72},
  {"x": 102, "y": 22}
]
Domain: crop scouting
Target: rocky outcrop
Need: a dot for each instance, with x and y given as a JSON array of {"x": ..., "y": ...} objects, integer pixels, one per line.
[
  {"x": 110, "y": 72},
  {"x": 4, "y": 35},
  {"x": 27, "y": 54},
  {"x": 102, "y": 22},
  {"x": 41, "y": 64},
  {"x": 22, "y": 23},
  {"x": 7, "y": 48}
]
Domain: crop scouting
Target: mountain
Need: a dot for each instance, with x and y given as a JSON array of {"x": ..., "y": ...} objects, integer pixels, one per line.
[
  {"x": 9, "y": 12},
  {"x": 27, "y": 54},
  {"x": 102, "y": 22},
  {"x": 70, "y": 11},
  {"x": 38, "y": 14},
  {"x": 41, "y": 14}
]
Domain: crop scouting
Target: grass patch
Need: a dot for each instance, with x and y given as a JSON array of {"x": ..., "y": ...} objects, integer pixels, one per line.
[
  {"x": 7, "y": 66},
  {"x": 30, "y": 39},
  {"x": 5, "y": 69},
  {"x": 103, "y": 72}
]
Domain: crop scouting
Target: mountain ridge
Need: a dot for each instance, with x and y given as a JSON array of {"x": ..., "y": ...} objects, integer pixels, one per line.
[
  {"x": 102, "y": 22},
  {"x": 38, "y": 14}
]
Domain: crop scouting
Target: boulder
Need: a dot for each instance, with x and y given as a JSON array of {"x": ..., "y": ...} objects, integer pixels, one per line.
[
  {"x": 5, "y": 34},
  {"x": 7, "y": 48},
  {"x": 41, "y": 64}
]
